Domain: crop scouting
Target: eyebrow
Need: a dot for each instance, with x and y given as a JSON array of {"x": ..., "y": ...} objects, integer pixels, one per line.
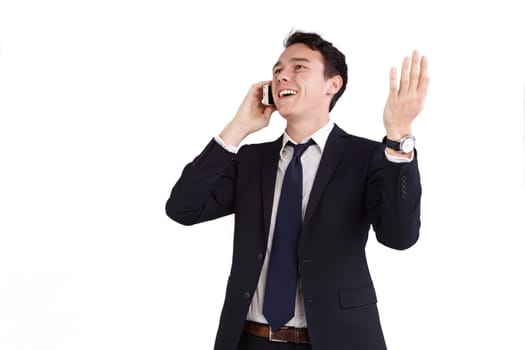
[{"x": 293, "y": 59}]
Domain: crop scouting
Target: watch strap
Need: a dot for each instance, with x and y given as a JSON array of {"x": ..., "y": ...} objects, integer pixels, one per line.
[
  {"x": 396, "y": 146},
  {"x": 406, "y": 145}
]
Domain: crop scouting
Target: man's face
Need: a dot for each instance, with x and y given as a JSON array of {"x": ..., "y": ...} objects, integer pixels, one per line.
[{"x": 299, "y": 87}]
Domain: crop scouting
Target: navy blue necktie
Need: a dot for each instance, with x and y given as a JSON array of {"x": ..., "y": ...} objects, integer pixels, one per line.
[{"x": 281, "y": 283}]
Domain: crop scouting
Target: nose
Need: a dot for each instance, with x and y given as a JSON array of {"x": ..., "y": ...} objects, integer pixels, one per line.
[{"x": 282, "y": 76}]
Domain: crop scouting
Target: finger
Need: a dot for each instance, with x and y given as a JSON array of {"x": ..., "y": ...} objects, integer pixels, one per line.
[
  {"x": 256, "y": 89},
  {"x": 424, "y": 79},
  {"x": 259, "y": 85},
  {"x": 405, "y": 75},
  {"x": 393, "y": 82},
  {"x": 414, "y": 71}
]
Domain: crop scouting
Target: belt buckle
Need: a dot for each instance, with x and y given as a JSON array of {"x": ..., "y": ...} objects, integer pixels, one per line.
[{"x": 271, "y": 338}]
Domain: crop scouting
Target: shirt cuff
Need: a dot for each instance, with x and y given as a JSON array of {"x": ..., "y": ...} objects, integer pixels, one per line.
[
  {"x": 395, "y": 159},
  {"x": 229, "y": 148}
]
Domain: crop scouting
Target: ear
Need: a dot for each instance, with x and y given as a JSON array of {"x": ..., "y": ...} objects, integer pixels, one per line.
[{"x": 334, "y": 84}]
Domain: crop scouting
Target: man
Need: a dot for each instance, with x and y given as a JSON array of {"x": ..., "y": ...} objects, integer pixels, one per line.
[{"x": 304, "y": 204}]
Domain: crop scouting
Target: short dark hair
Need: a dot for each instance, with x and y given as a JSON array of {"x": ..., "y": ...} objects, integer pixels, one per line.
[{"x": 334, "y": 60}]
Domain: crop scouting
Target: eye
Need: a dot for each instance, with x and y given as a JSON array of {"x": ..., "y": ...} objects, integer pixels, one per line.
[
  {"x": 299, "y": 67},
  {"x": 276, "y": 71}
]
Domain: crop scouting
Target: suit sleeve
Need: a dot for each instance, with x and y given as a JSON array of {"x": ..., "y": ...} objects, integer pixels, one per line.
[
  {"x": 394, "y": 200},
  {"x": 206, "y": 188}
]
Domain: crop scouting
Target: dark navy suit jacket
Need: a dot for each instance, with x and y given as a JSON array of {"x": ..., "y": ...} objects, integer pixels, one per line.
[{"x": 355, "y": 187}]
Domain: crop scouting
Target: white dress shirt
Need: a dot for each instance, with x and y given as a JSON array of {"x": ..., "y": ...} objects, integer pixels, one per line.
[{"x": 310, "y": 162}]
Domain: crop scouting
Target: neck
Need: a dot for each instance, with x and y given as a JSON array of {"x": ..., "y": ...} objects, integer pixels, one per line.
[{"x": 298, "y": 130}]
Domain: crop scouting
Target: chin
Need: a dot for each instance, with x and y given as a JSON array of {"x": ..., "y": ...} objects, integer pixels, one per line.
[
  {"x": 284, "y": 113},
  {"x": 287, "y": 113}
]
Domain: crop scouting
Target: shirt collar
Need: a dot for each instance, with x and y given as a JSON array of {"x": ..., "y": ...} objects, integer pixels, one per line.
[{"x": 320, "y": 137}]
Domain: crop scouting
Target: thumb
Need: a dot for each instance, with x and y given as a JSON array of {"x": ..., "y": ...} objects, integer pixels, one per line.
[{"x": 268, "y": 111}]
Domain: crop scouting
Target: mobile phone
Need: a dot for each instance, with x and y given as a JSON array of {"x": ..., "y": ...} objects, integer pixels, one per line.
[{"x": 267, "y": 98}]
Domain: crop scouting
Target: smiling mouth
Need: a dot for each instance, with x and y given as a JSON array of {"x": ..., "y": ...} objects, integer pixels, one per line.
[{"x": 285, "y": 93}]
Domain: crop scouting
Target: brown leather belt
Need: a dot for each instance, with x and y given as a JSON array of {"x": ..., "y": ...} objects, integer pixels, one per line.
[{"x": 285, "y": 334}]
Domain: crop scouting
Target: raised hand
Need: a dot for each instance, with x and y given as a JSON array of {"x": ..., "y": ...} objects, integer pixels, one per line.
[{"x": 406, "y": 101}]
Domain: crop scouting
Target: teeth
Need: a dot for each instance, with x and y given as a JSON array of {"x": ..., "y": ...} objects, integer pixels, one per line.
[{"x": 287, "y": 92}]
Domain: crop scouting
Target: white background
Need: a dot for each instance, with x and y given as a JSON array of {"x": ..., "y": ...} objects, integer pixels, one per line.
[{"x": 102, "y": 103}]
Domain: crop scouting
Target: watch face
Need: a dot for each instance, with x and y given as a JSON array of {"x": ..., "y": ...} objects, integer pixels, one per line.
[{"x": 408, "y": 144}]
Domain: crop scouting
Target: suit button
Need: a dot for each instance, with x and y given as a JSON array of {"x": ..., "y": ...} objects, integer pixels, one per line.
[
  {"x": 404, "y": 190},
  {"x": 307, "y": 261},
  {"x": 247, "y": 295},
  {"x": 260, "y": 257},
  {"x": 310, "y": 301}
]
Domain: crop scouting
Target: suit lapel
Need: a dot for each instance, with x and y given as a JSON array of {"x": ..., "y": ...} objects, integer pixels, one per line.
[
  {"x": 269, "y": 163},
  {"x": 335, "y": 145}
]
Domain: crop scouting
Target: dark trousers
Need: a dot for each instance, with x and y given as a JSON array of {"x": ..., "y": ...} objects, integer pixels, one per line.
[{"x": 252, "y": 342}]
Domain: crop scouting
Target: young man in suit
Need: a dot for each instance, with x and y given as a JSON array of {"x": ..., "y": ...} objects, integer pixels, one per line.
[{"x": 304, "y": 204}]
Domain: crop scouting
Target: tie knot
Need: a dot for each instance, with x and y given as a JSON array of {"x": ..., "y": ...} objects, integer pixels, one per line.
[{"x": 300, "y": 148}]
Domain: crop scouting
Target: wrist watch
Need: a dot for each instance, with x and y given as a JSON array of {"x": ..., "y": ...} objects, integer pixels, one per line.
[{"x": 405, "y": 145}]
